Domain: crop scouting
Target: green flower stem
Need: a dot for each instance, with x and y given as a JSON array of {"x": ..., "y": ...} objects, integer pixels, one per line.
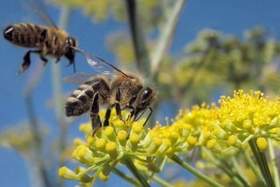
[
  {"x": 57, "y": 90},
  {"x": 194, "y": 171},
  {"x": 253, "y": 166},
  {"x": 125, "y": 177},
  {"x": 240, "y": 173},
  {"x": 224, "y": 167},
  {"x": 166, "y": 35},
  {"x": 138, "y": 38},
  {"x": 130, "y": 165},
  {"x": 161, "y": 182},
  {"x": 262, "y": 162},
  {"x": 274, "y": 164}
]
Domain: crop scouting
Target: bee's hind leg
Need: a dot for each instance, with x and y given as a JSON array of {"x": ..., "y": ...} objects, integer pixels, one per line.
[
  {"x": 27, "y": 60},
  {"x": 94, "y": 114},
  {"x": 44, "y": 59}
]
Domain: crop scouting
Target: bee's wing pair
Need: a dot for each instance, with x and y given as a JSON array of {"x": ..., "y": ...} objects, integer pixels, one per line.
[{"x": 98, "y": 69}]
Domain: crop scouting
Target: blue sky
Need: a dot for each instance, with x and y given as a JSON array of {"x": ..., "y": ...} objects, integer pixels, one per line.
[{"x": 232, "y": 17}]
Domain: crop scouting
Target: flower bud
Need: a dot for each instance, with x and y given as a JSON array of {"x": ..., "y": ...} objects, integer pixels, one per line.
[
  {"x": 67, "y": 173},
  {"x": 262, "y": 143}
]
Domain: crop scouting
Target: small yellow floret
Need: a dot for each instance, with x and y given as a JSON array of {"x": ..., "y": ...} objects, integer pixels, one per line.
[
  {"x": 111, "y": 147},
  {"x": 134, "y": 138},
  {"x": 85, "y": 128},
  {"x": 78, "y": 141},
  {"x": 67, "y": 173},
  {"x": 247, "y": 124},
  {"x": 262, "y": 143},
  {"x": 122, "y": 135},
  {"x": 232, "y": 139},
  {"x": 100, "y": 144},
  {"x": 137, "y": 128},
  {"x": 109, "y": 131},
  {"x": 192, "y": 140},
  {"x": 211, "y": 143},
  {"x": 103, "y": 177}
]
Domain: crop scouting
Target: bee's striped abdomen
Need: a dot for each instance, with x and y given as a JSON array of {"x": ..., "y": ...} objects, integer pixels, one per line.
[
  {"x": 26, "y": 35},
  {"x": 80, "y": 100}
]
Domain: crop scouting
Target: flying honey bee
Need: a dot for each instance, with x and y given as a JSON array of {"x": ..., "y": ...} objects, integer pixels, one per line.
[
  {"x": 46, "y": 41},
  {"x": 124, "y": 91}
]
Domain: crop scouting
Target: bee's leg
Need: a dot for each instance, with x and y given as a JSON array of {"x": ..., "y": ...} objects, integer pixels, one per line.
[
  {"x": 117, "y": 104},
  {"x": 70, "y": 55},
  {"x": 148, "y": 117},
  {"x": 107, "y": 117},
  {"x": 94, "y": 114},
  {"x": 130, "y": 106},
  {"x": 27, "y": 61},
  {"x": 57, "y": 60},
  {"x": 139, "y": 115},
  {"x": 44, "y": 59}
]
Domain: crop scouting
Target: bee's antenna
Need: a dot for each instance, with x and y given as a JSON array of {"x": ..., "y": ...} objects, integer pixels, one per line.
[{"x": 87, "y": 55}]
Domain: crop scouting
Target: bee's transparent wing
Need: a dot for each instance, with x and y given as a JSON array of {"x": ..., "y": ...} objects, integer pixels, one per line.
[
  {"x": 78, "y": 78},
  {"x": 98, "y": 66},
  {"x": 39, "y": 8}
]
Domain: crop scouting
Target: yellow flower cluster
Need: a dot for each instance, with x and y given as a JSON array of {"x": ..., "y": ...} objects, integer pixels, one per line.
[
  {"x": 110, "y": 146},
  {"x": 234, "y": 121},
  {"x": 222, "y": 128}
]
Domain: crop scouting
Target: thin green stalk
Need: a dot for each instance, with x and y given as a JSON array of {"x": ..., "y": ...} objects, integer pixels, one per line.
[
  {"x": 167, "y": 32},
  {"x": 58, "y": 96},
  {"x": 262, "y": 162},
  {"x": 274, "y": 164},
  {"x": 35, "y": 128},
  {"x": 37, "y": 151},
  {"x": 138, "y": 39},
  {"x": 125, "y": 177},
  {"x": 240, "y": 173},
  {"x": 253, "y": 166},
  {"x": 224, "y": 168},
  {"x": 161, "y": 182},
  {"x": 194, "y": 171},
  {"x": 130, "y": 165},
  {"x": 57, "y": 90}
]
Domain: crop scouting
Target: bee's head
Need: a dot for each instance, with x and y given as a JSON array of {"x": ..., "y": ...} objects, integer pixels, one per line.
[
  {"x": 144, "y": 100},
  {"x": 71, "y": 42}
]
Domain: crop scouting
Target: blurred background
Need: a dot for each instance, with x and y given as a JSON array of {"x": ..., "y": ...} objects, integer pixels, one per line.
[{"x": 190, "y": 51}]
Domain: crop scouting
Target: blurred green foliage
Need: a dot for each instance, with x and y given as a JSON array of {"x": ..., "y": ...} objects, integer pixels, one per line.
[{"x": 212, "y": 62}]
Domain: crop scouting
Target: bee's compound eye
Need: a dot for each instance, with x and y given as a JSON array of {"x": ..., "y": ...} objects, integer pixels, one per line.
[
  {"x": 8, "y": 32},
  {"x": 146, "y": 93},
  {"x": 71, "y": 41}
]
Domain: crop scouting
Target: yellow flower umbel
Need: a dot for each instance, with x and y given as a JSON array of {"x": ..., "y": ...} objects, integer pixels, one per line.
[
  {"x": 220, "y": 131},
  {"x": 117, "y": 143},
  {"x": 250, "y": 115}
]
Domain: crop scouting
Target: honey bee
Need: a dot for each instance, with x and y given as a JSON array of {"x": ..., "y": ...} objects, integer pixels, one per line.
[
  {"x": 124, "y": 91},
  {"x": 43, "y": 40}
]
